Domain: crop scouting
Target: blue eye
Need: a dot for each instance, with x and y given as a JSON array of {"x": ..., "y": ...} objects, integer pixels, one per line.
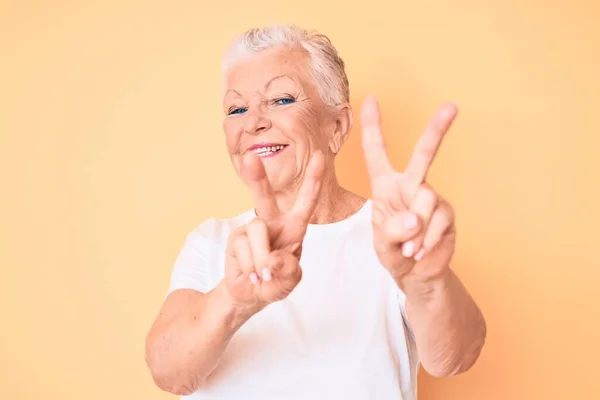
[
  {"x": 237, "y": 111},
  {"x": 285, "y": 100}
]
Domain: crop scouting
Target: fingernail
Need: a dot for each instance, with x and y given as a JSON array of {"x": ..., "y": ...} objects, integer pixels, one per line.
[
  {"x": 266, "y": 274},
  {"x": 410, "y": 221},
  {"x": 408, "y": 248},
  {"x": 253, "y": 278},
  {"x": 420, "y": 254}
]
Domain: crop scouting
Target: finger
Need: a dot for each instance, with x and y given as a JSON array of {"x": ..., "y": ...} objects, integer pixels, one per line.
[
  {"x": 424, "y": 205},
  {"x": 429, "y": 143},
  {"x": 254, "y": 175},
  {"x": 285, "y": 265},
  {"x": 401, "y": 228},
  {"x": 275, "y": 262},
  {"x": 243, "y": 254},
  {"x": 372, "y": 140},
  {"x": 233, "y": 236},
  {"x": 308, "y": 194},
  {"x": 441, "y": 221},
  {"x": 258, "y": 237}
]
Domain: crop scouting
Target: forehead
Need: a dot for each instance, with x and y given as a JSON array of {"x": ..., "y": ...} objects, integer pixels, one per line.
[{"x": 250, "y": 73}]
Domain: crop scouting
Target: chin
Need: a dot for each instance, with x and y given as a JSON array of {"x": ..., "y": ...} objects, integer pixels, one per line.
[
  {"x": 281, "y": 180},
  {"x": 278, "y": 172},
  {"x": 277, "y": 180}
]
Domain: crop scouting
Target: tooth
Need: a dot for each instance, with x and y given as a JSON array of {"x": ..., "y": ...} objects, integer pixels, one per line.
[{"x": 265, "y": 151}]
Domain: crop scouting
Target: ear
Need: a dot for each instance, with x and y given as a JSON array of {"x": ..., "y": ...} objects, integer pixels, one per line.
[{"x": 342, "y": 127}]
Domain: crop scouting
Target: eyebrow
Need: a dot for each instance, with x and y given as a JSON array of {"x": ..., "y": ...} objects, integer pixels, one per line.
[
  {"x": 278, "y": 77},
  {"x": 233, "y": 91},
  {"x": 269, "y": 82}
]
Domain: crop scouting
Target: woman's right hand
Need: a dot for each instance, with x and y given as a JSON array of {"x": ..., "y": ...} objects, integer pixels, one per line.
[{"x": 262, "y": 258}]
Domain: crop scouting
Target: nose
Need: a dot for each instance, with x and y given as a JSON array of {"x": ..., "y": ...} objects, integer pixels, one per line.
[{"x": 256, "y": 122}]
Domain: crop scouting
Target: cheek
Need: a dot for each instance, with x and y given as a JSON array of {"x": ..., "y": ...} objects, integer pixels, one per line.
[
  {"x": 302, "y": 126},
  {"x": 308, "y": 119},
  {"x": 232, "y": 130}
]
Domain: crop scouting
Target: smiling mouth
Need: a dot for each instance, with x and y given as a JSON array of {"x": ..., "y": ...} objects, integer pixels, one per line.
[{"x": 269, "y": 151}]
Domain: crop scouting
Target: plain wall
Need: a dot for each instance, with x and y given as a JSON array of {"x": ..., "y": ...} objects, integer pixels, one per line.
[{"x": 111, "y": 151}]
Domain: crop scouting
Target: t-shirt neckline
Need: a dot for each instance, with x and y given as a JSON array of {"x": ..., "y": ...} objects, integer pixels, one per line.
[{"x": 251, "y": 214}]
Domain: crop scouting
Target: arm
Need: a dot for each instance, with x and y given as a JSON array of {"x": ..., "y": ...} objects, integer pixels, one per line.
[
  {"x": 193, "y": 329},
  {"x": 448, "y": 327},
  {"x": 414, "y": 236},
  {"x": 189, "y": 336}
]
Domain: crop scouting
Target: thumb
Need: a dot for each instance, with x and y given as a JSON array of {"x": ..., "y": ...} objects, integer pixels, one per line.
[{"x": 283, "y": 263}]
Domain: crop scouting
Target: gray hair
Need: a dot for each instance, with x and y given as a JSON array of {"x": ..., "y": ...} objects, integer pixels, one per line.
[{"x": 327, "y": 68}]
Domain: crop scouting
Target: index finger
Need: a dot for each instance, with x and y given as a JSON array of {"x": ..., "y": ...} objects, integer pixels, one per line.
[
  {"x": 429, "y": 143},
  {"x": 373, "y": 143},
  {"x": 254, "y": 174},
  {"x": 308, "y": 194}
]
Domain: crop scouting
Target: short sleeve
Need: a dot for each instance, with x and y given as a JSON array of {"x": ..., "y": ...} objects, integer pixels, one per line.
[
  {"x": 402, "y": 305},
  {"x": 197, "y": 265},
  {"x": 411, "y": 344}
]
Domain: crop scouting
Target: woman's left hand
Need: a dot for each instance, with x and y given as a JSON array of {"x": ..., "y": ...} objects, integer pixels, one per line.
[{"x": 413, "y": 226}]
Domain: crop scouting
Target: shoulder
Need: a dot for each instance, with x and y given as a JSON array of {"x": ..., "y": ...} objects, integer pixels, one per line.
[
  {"x": 199, "y": 263},
  {"x": 216, "y": 230}
]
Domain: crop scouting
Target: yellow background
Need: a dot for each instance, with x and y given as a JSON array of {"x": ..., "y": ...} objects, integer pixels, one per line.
[{"x": 112, "y": 150}]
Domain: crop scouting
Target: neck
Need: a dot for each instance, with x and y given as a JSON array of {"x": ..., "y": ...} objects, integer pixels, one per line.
[{"x": 335, "y": 203}]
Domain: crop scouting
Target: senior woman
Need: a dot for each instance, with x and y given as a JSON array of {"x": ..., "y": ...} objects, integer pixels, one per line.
[{"x": 316, "y": 293}]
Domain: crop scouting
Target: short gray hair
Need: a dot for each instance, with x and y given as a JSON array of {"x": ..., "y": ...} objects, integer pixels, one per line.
[{"x": 326, "y": 66}]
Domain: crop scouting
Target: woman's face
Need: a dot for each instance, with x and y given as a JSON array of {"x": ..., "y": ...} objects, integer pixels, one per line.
[{"x": 273, "y": 110}]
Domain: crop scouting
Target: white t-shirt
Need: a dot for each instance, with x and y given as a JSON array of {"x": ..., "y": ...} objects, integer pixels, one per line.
[{"x": 340, "y": 334}]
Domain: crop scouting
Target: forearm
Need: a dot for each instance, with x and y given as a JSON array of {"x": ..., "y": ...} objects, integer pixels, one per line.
[
  {"x": 448, "y": 326},
  {"x": 186, "y": 347}
]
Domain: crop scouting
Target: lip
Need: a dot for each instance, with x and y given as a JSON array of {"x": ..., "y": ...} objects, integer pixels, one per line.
[{"x": 265, "y": 144}]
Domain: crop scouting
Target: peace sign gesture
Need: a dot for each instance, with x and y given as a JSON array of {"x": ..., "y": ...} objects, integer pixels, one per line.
[
  {"x": 410, "y": 221},
  {"x": 262, "y": 257}
]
